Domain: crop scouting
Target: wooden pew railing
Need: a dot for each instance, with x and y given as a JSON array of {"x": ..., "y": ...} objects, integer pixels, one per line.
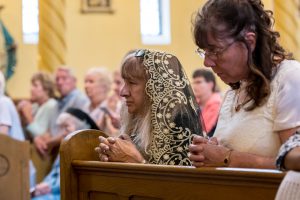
[
  {"x": 83, "y": 177},
  {"x": 14, "y": 168}
]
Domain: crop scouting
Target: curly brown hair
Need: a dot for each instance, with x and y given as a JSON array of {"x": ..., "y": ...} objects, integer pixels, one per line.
[
  {"x": 47, "y": 82},
  {"x": 238, "y": 17}
]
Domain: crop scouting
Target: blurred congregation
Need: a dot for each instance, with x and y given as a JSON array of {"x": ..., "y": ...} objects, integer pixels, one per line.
[{"x": 218, "y": 93}]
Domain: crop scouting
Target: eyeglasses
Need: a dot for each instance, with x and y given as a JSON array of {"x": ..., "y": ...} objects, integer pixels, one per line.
[{"x": 213, "y": 54}]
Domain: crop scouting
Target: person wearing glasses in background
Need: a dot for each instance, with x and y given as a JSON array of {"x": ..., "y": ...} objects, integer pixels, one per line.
[{"x": 261, "y": 110}]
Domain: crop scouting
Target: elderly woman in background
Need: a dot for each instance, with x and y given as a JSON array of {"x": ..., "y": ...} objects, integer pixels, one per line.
[
  {"x": 261, "y": 110},
  {"x": 112, "y": 119},
  {"x": 38, "y": 113},
  {"x": 115, "y": 106},
  {"x": 10, "y": 123},
  {"x": 71, "y": 120},
  {"x": 97, "y": 86},
  {"x": 160, "y": 115}
]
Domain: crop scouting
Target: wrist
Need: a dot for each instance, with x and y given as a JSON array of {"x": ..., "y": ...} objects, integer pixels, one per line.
[
  {"x": 140, "y": 159},
  {"x": 227, "y": 158}
]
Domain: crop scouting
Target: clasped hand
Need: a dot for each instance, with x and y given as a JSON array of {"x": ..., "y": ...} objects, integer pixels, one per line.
[
  {"x": 207, "y": 152},
  {"x": 120, "y": 149}
]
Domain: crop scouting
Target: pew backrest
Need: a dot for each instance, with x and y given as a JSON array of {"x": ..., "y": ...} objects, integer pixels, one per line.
[
  {"x": 14, "y": 168},
  {"x": 84, "y": 177}
]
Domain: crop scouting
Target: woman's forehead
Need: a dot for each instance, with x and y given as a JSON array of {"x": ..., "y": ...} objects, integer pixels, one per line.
[
  {"x": 213, "y": 35},
  {"x": 132, "y": 69}
]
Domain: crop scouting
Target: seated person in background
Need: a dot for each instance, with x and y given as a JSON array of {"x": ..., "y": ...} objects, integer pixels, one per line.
[
  {"x": 114, "y": 103},
  {"x": 289, "y": 154},
  {"x": 38, "y": 113},
  {"x": 69, "y": 121},
  {"x": 70, "y": 96},
  {"x": 160, "y": 116},
  {"x": 112, "y": 117},
  {"x": 261, "y": 110},
  {"x": 97, "y": 86},
  {"x": 208, "y": 99},
  {"x": 10, "y": 123}
]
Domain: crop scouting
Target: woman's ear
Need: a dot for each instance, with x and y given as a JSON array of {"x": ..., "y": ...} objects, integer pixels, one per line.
[{"x": 250, "y": 38}]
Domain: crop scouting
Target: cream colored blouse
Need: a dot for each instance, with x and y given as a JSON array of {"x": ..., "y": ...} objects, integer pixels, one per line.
[{"x": 256, "y": 131}]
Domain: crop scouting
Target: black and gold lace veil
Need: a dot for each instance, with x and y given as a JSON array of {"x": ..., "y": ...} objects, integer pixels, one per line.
[{"x": 174, "y": 111}]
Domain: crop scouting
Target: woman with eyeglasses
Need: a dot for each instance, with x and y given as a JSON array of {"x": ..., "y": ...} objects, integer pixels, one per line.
[
  {"x": 261, "y": 110},
  {"x": 159, "y": 115}
]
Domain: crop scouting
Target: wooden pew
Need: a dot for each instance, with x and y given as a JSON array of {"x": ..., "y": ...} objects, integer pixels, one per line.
[
  {"x": 14, "y": 168},
  {"x": 83, "y": 177}
]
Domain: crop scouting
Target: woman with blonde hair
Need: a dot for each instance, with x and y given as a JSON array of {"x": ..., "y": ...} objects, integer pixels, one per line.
[{"x": 40, "y": 110}]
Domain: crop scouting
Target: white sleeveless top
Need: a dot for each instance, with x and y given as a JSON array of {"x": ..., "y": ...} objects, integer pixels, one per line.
[{"x": 256, "y": 131}]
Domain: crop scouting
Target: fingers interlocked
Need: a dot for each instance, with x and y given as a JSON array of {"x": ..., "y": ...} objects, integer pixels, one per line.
[{"x": 103, "y": 149}]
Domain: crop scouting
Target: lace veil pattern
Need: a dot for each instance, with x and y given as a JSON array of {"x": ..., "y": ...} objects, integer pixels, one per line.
[{"x": 174, "y": 111}]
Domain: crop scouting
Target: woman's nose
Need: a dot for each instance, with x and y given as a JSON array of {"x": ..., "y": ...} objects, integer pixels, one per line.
[
  {"x": 124, "y": 92},
  {"x": 208, "y": 62}
]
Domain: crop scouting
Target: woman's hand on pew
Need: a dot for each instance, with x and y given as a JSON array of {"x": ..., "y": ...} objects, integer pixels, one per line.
[
  {"x": 119, "y": 149},
  {"x": 207, "y": 153},
  {"x": 40, "y": 143},
  {"x": 102, "y": 149},
  {"x": 41, "y": 189}
]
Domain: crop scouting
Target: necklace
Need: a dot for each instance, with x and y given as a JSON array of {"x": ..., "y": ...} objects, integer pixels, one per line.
[{"x": 238, "y": 106}]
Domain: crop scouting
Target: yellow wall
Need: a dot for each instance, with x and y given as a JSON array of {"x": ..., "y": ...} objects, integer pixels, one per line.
[{"x": 101, "y": 39}]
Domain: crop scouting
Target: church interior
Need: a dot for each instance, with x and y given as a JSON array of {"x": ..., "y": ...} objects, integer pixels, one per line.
[{"x": 54, "y": 51}]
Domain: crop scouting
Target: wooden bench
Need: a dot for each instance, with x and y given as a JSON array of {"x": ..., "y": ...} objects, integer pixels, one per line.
[
  {"x": 14, "y": 168},
  {"x": 83, "y": 177}
]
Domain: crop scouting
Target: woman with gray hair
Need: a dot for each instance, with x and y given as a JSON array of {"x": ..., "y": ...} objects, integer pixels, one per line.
[
  {"x": 159, "y": 116},
  {"x": 97, "y": 86}
]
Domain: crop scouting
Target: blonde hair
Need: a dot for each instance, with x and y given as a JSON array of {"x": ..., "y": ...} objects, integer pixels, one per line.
[
  {"x": 79, "y": 125},
  {"x": 140, "y": 126}
]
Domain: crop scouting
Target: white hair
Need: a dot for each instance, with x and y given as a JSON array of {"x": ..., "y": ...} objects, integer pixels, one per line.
[
  {"x": 2, "y": 84},
  {"x": 79, "y": 125},
  {"x": 103, "y": 76},
  {"x": 140, "y": 125},
  {"x": 69, "y": 70}
]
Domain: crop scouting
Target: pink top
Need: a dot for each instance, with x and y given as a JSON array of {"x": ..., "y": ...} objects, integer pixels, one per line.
[{"x": 210, "y": 111}]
